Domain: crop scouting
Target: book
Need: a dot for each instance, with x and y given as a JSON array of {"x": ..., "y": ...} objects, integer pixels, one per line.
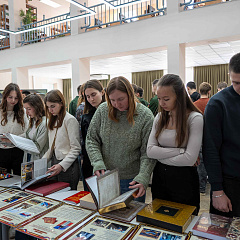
[
  {"x": 88, "y": 202},
  {"x": 75, "y": 198},
  {"x": 20, "y": 142},
  {"x": 106, "y": 192},
  {"x": 46, "y": 188},
  {"x": 212, "y": 226},
  {"x": 165, "y": 214},
  {"x": 234, "y": 230},
  {"x": 102, "y": 228},
  {"x": 149, "y": 232}
]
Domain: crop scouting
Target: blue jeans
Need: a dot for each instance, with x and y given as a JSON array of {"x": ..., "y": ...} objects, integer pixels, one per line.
[
  {"x": 124, "y": 186},
  {"x": 202, "y": 173}
]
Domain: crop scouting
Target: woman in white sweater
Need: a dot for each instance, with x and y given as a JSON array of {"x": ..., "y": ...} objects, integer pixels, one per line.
[
  {"x": 64, "y": 141},
  {"x": 12, "y": 120},
  {"x": 37, "y": 130},
  {"x": 175, "y": 141}
]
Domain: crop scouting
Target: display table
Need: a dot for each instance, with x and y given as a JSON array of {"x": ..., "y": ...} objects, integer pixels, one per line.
[{"x": 10, "y": 181}]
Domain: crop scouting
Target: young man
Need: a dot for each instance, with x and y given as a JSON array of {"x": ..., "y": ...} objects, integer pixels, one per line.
[
  {"x": 153, "y": 105},
  {"x": 192, "y": 91},
  {"x": 73, "y": 103},
  {"x": 205, "y": 90},
  {"x": 221, "y": 86},
  {"x": 138, "y": 91},
  {"x": 221, "y": 145}
]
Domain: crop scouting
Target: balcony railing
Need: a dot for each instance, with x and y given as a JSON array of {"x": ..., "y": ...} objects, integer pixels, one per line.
[
  {"x": 48, "y": 32},
  {"x": 191, "y": 4},
  {"x": 106, "y": 16},
  {"x": 4, "y": 41}
]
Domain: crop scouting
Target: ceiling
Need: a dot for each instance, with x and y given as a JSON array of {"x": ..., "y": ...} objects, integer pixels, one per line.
[{"x": 209, "y": 54}]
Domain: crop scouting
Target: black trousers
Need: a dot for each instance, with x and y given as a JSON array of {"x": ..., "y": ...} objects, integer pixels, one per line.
[
  {"x": 11, "y": 159},
  {"x": 87, "y": 170},
  {"x": 176, "y": 184},
  {"x": 231, "y": 187}
]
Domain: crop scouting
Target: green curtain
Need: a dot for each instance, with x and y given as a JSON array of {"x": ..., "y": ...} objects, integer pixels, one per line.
[
  {"x": 67, "y": 92},
  {"x": 104, "y": 82},
  {"x": 212, "y": 74},
  {"x": 145, "y": 79}
]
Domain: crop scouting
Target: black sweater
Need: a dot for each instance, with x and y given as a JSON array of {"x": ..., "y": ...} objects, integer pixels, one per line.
[{"x": 221, "y": 140}]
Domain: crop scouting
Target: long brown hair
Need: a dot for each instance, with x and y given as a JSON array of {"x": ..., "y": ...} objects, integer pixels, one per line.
[
  {"x": 96, "y": 85},
  {"x": 55, "y": 96},
  {"x": 184, "y": 106},
  {"x": 17, "y": 109},
  {"x": 81, "y": 97},
  {"x": 35, "y": 101},
  {"x": 123, "y": 85}
]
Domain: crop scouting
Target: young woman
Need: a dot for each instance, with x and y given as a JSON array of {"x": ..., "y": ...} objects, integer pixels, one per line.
[
  {"x": 117, "y": 137},
  {"x": 94, "y": 96},
  {"x": 37, "y": 130},
  {"x": 64, "y": 145},
  {"x": 12, "y": 120},
  {"x": 175, "y": 141}
]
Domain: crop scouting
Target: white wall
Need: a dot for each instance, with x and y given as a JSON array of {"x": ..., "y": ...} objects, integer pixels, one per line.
[
  {"x": 128, "y": 76},
  {"x": 189, "y": 75},
  {"x": 43, "y": 82},
  {"x": 5, "y": 79}
]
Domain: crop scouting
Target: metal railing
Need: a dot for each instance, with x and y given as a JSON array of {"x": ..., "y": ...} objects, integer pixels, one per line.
[
  {"x": 190, "y": 4},
  {"x": 106, "y": 16},
  {"x": 4, "y": 41},
  {"x": 48, "y": 32}
]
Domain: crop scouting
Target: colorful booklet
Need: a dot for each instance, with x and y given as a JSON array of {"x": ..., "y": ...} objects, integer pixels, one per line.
[
  {"x": 234, "y": 230},
  {"x": 56, "y": 223},
  {"x": 75, "y": 198},
  {"x": 27, "y": 210},
  {"x": 102, "y": 228}
]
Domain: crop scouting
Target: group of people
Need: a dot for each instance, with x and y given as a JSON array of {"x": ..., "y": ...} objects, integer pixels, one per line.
[{"x": 113, "y": 129}]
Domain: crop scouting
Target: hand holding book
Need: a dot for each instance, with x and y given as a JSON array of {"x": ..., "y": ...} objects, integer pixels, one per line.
[
  {"x": 141, "y": 190},
  {"x": 54, "y": 170}
]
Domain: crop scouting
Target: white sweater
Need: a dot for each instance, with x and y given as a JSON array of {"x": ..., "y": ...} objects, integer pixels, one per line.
[
  {"x": 12, "y": 126},
  {"x": 67, "y": 143}
]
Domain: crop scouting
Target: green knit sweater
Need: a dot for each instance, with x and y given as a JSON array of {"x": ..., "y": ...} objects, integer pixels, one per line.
[{"x": 120, "y": 145}]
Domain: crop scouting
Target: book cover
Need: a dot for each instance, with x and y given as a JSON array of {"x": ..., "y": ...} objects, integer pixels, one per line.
[
  {"x": 165, "y": 214},
  {"x": 234, "y": 230},
  {"x": 105, "y": 191},
  {"x": 88, "y": 202},
  {"x": 46, "y": 188},
  {"x": 75, "y": 198},
  {"x": 212, "y": 226},
  {"x": 102, "y": 228}
]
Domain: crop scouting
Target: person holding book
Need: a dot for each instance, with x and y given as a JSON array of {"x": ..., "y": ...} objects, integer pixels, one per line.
[
  {"x": 37, "y": 129},
  {"x": 64, "y": 143},
  {"x": 117, "y": 137},
  {"x": 94, "y": 95},
  {"x": 175, "y": 141},
  {"x": 12, "y": 120}
]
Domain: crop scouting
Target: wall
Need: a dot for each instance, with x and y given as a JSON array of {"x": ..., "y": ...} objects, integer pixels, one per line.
[
  {"x": 5, "y": 79},
  {"x": 42, "y": 82}
]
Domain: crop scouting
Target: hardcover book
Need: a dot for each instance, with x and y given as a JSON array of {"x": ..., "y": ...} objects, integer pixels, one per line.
[
  {"x": 75, "y": 198},
  {"x": 212, "y": 226},
  {"x": 165, "y": 214},
  {"x": 101, "y": 228},
  {"x": 106, "y": 192},
  {"x": 234, "y": 230}
]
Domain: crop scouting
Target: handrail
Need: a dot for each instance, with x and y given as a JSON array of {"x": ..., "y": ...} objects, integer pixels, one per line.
[{"x": 190, "y": 3}]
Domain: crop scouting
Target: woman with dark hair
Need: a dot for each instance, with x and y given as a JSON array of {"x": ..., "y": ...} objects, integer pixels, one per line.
[
  {"x": 117, "y": 137},
  {"x": 37, "y": 130},
  {"x": 175, "y": 141},
  {"x": 94, "y": 95},
  {"x": 12, "y": 120},
  {"x": 63, "y": 140}
]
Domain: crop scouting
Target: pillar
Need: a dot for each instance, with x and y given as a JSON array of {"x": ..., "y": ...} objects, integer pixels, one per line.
[{"x": 20, "y": 77}]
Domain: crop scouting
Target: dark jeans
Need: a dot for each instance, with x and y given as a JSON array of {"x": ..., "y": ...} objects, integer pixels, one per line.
[
  {"x": 23, "y": 236},
  {"x": 231, "y": 187},
  {"x": 11, "y": 159},
  {"x": 176, "y": 184},
  {"x": 124, "y": 186},
  {"x": 202, "y": 173}
]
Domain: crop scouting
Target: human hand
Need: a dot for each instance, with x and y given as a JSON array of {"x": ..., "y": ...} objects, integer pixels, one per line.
[
  {"x": 98, "y": 173},
  {"x": 141, "y": 190},
  {"x": 222, "y": 203},
  {"x": 54, "y": 170}
]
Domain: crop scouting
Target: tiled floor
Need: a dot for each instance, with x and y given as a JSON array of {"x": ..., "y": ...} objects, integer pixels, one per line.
[{"x": 204, "y": 203}]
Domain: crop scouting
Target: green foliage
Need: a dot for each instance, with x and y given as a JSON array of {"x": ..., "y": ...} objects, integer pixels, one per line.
[{"x": 28, "y": 17}]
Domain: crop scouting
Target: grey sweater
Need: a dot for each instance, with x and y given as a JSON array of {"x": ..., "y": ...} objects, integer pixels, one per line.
[{"x": 121, "y": 145}]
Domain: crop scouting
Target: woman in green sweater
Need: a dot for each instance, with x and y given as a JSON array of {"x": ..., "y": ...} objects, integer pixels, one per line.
[{"x": 118, "y": 136}]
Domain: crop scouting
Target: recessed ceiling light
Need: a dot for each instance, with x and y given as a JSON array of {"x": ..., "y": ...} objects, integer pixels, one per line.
[{"x": 50, "y": 3}]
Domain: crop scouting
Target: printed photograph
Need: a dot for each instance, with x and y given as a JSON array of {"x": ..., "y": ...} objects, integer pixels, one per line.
[
  {"x": 45, "y": 204},
  {"x": 117, "y": 227},
  {"x": 83, "y": 236},
  {"x": 25, "y": 214},
  {"x": 100, "y": 223},
  {"x": 63, "y": 225},
  {"x": 150, "y": 233},
  {"x": 12, "y": 199},
  {"x": 168, "y": 236},
  {"x": 19, "y": 207},
  {"x": 34, "y": 201}
]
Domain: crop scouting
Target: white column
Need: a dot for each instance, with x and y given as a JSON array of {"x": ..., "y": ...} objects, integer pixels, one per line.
[
  {"x": 80, "y": 73},
  {"x": 20, "y": 77},
  {"x": 14, "y": 19},
  {"x": 173, "y": 6},
  {"x": 176, "y": 59},
  {"x": 76, "y": 24}
]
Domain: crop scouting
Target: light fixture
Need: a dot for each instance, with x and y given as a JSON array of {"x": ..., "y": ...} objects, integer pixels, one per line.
[
  {"x": 80, "y": 6},
  {"x": 123, "y": 4},
  {"x": 50, "y": 3}
]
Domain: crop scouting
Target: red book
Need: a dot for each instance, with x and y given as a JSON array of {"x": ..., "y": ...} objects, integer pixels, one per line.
[
  {"x": 75, "y": 198},
  {"x": 212, "y": 226},
  {"x": 46, "y": 188}
]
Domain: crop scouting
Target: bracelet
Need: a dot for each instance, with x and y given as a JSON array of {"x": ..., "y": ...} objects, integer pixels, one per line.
[{"x": 218, "y": 195}]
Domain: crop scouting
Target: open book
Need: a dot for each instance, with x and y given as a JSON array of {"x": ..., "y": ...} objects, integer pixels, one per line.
[
  {"x": 20, "y": 142},
  {"x": 106, "y": 192}
]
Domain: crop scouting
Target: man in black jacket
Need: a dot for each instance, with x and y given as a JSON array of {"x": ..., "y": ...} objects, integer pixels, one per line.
[
  {"x": 221, "y": 146},
  {"x": 192, "y": 91}
]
